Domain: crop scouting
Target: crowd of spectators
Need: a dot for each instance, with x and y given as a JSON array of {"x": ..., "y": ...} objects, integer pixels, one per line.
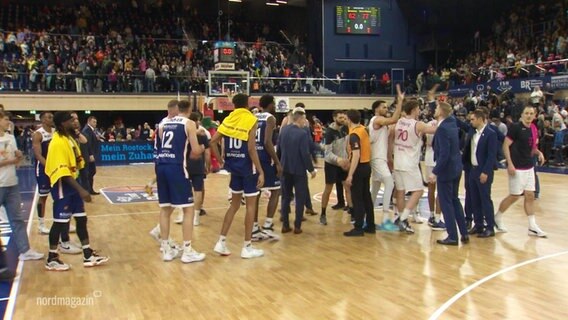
[
  {"x": 526, "y": 41},
  {"x": 126, "y": 47}
]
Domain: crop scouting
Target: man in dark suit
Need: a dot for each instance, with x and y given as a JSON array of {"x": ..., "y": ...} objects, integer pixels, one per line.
[
  {"x": 294, "y": 146},
  {"x": 479, "y": 158},
  {"x": 93, "y": 148},
  {"x": 447, "y": 174}
]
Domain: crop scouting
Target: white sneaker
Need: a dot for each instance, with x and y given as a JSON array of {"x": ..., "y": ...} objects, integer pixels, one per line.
[
  {"x": 30, "y": 255},
  {"x": 196, "y": 219},
  {"x": 499, "y": 225},
  {"x": 269, "y": 232},
  {"x": 72, "y": 228},
  {"x": 221, "y": 248},
  {"x": 418, "y": 218},
  {"x": 251, "y": 252},
  {"x": 190, "y": 255},
  {"x": 155, "y": 233},
  {"x": 179, "y": 218},
  {"x": 173, "y": 245},
  {"x": 258, "y": 235},
  {"x": 69, "y": 248},
  {"x": 537, "y": 232},
  {"x": 94, "y": 260},
  {"x": 168, "y": 253},
  {"x": 57, "y": 265},
  {"x": 43, "y": 229}
]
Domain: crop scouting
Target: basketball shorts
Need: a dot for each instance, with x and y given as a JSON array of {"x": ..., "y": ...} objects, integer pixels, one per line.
[
  {"x": 244, "y": 184},
  {"x": 408, "y": 180},
  {"x": 174, "y": 188},
  {"x": 380, "y": 170},
  {"x": 334, "y": 174},
  {"x": 271, "y": 181},
  {"x": 197, "y": 181},
  {"x": 70, "y": 205},
  {"x": 523, "y": 180},
  {"x": 43, "y": 184}
]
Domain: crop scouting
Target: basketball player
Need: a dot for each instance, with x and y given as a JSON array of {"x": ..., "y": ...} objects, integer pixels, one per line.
[
  {"x": 379, "y": 135},
  {"x": 197, "y": 169},
  {"x": 177, "y": 139},
  {"x": 520, "y": 147},
  {"x": 270, "y": 165},
  {"x": 241, "y": 159},
  {"x": 336, "y": 163},
  {"x": 434, "y": 221},
  {"x": 62, "y": 166},
  {"x": 40, "y": 144},
  {"x": 40, "y": 141},
  {"x": 407, "y": 148}
]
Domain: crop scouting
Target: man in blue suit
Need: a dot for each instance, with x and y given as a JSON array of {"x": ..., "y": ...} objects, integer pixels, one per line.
[
  {"x": 479, "y": 158},
  {"x": 447, "y": 174}
]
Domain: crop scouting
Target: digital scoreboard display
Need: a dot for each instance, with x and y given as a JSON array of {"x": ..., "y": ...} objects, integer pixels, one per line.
[{"x": 357, "y": 20}]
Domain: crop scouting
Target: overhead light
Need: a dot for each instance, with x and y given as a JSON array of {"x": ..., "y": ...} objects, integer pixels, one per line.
[
  {"x": 271, "y": 3},
  {"x": 282, "y": 1},
  {"x": 235, "y": 0}
]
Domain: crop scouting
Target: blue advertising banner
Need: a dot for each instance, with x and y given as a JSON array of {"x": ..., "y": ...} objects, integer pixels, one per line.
[
  {"x": 113, "y": 153},
  {"x": 514, "y": 85}
]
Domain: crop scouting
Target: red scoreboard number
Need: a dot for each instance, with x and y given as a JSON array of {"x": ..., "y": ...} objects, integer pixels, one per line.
[
  {"x": 227, "y": 51},
  {"x": 352, "y": 15}
]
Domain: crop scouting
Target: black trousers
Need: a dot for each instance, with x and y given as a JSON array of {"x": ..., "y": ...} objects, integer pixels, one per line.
[
  {"x": 92, "y": 172},
  {"x": 361, "y": 195},
  {"x": 298, "y": 183}
]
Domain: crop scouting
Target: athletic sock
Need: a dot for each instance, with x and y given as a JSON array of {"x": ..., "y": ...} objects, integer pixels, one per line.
[
  {"x": 532, "y": 222},
  {"x": 323, "y": 211},
  {"x": 437, "y": 217},
  {"x": 404, "y": 214}
]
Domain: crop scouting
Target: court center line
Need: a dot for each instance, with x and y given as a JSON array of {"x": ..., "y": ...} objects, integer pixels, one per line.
[{"x": 476, "y": 284}]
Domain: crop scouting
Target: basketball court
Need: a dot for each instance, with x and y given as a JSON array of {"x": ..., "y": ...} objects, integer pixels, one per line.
[{"x": 318, "y": 274}]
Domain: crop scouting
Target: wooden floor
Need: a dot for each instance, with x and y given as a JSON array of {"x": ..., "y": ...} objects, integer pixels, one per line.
[{"x": 316, "y": 275}]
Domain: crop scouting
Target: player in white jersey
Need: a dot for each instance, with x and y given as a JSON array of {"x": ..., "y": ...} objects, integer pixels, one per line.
[
  {"x": 40, "y": 142},
  {"x": 435, "y": 212},
  {"x": 407, "y": 149},
  {"x": 379, "y": 136}
]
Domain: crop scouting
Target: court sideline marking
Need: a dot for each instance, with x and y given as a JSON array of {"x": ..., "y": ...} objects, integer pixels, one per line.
[
  {"x": 16, "y": 283},
  {"x": 476, "y": 284}
]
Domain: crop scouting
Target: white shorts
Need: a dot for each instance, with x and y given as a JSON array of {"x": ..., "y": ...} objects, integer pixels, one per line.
[
  {"x": 408, "y": 180},
  {"x": 522, "y": 181},
  {"x": 380, "y": 170},
  {"x": 429, "y": 170}
]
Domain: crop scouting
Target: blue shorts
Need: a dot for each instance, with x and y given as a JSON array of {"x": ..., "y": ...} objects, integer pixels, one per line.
[
  {"x": 174, "y": 189},
  {"x": 43, "y": 184},
  {"x": 271, "y": 181},
  {"x": 197, "y": 181},
  {"x": 246, "y": 184},
  {"x": 66, "y": 202}
]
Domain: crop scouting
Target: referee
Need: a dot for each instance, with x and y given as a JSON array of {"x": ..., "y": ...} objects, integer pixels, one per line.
[{"x": 359, "y": 149}]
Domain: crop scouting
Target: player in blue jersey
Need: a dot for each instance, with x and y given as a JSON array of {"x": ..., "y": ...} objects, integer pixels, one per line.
[
  {"x": 177, "y": 139},
  {"x": 238, "y": 132},
  {"x": 270, "y": 165},
  {"x": 40, "y": 141}
]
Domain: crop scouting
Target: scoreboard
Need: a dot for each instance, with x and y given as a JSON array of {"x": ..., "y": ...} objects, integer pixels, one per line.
[
  {"x": 357, "y": 20},
  {"x": 224, "y": 56}
]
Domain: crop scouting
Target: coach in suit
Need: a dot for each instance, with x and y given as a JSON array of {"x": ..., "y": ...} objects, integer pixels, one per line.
[
  {"x": 294, "y": 145},
  {"x": 479, "y": 158},
  {"x": 447, "y": 173},
  {"x": 93, "y": 148}
]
